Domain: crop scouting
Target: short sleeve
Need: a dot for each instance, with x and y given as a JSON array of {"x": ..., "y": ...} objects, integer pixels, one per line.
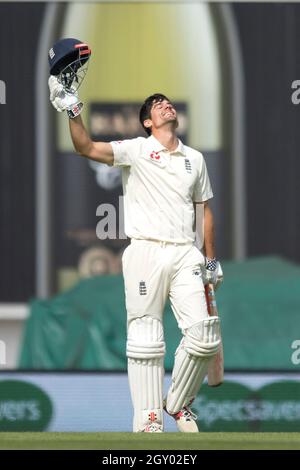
[
  {"x": 124, "y": 152},
  {"x": 202, "y": 190}
]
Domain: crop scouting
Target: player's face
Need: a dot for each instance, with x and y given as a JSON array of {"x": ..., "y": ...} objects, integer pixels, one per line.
[{"x": 163, "y": 112}]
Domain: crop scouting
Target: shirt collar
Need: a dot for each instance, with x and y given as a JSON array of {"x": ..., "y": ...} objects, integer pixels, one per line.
[{"x": 158, "y": 147}]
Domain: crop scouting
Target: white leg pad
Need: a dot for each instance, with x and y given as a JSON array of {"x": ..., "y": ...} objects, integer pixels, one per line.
[
  {"x": 199, "y": 344},
  {"x": 145, "y": 352}
]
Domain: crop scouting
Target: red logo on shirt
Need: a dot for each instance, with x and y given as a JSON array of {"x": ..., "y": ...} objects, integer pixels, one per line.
[{"x": 154, "y": 155}]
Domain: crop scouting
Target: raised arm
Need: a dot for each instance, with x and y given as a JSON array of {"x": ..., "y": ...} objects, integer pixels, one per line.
[
  {"x": 99, "y": 151},
  {"x": 63, "y": 100}
]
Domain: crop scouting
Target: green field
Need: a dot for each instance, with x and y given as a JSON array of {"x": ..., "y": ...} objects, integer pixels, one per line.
[{"x": 208, "y": 441}]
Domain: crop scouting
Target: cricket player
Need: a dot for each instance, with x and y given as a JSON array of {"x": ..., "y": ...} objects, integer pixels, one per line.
[{"x": 164, "y": 183}]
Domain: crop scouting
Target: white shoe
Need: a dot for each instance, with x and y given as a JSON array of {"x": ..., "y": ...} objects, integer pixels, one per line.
[
  {"x": 154, "y": 427},
  {"x": 185, "y": 420}
]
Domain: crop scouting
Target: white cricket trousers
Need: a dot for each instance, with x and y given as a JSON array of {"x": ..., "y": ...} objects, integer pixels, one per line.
[{"x": 154, "y": 271}]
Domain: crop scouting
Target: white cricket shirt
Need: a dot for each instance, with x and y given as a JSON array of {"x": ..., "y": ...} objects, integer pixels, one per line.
[{"x": 159, "y": 189}]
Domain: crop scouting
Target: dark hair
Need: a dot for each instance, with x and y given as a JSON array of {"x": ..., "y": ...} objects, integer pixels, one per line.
[{"x": 145, "y": 111}]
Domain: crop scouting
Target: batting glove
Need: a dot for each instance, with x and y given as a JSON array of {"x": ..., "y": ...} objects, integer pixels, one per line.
[
  {"x": 212, "y": 272},
  {"x": 64, "y": 100}
]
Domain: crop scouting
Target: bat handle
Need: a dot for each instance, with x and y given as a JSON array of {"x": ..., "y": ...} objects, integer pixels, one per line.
[{"x": 211, "y": 300}]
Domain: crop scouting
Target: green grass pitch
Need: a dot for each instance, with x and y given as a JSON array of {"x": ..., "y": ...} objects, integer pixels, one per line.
[{"x": 166, "y": 441}]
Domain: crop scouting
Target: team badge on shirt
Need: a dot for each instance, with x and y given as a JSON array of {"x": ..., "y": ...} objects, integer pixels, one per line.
[{"x": 188, "y": 165}]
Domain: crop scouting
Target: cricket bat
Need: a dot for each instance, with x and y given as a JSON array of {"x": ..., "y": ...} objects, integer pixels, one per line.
[{"x": 215, "y": 373}]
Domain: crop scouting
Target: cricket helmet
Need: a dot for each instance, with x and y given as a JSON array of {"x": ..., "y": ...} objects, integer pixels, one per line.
[{"x": 68, "y": 60}]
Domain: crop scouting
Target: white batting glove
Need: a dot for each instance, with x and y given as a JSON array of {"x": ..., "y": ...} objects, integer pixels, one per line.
[
  {"x": 212, "y": 272},
  {"x": 62, "y": 100}
]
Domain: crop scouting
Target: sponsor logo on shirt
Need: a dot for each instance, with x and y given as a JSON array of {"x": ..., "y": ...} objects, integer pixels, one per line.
[{"x": 155, "y": 156}]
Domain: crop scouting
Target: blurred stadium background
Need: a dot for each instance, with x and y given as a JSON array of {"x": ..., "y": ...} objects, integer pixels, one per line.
[{"x": 229, "y": 68}]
